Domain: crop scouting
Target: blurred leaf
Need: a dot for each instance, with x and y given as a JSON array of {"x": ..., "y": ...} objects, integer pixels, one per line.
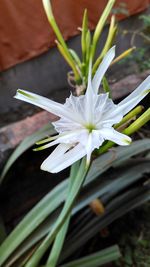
[
  {"x": 120, "y": 206},
  {"x": 146, "y": 20},
  {"x": 79, "y": 178},
  {"x": 55, "y": 198},
  {"x": 60, "y": 238},
  {"x": 97, "y": 259},
  {"x": 26, "y": 144},
  {"x": 2, "y": 231},
  {"x": 115, "y": 208}
]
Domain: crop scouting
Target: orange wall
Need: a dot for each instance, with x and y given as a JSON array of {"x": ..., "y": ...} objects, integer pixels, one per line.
[{"x": 25, "y": 32}]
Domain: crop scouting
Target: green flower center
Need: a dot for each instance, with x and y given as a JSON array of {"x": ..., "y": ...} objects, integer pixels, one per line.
[{"x": 90, "y": 127}]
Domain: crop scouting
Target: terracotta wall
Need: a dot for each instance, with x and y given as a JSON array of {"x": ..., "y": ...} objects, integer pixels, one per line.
[{"x": 25, "y": 32}]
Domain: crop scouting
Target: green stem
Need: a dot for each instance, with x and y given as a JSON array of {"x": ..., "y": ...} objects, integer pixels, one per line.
[
  {"x": 52, "y": 21},
  {"x": 123, "y": 55},
  {"x": 69, "y": 61},
  {"x": 83, "y": 35},
  {"x": 35, "y": 259},
  {"x": 108, "y": 44},
  {"x": 60, "y": 238},
  {"x": 106, "y": 86},
  {"x": 100, "y": 25},
  {"x": 134, "y": 127},
  {"x": 129, "y": 116}
]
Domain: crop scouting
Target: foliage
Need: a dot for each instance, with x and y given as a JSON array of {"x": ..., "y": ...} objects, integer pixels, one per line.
[{"x": 23, "y": 239}]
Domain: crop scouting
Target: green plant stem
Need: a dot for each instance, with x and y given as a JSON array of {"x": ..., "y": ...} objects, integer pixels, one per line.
[
  {"x": 52, "y": 21},
  {"x": 134, "y": 127},
  {"x": 35, "y": 259},
  {"x": 100, "y": 25},
  {"x": 106, "y": 86},
  {"x": 83, "y": 35},
  {"x": 108, "y": 44},
  {"x": 129, "y": 116},
  {"x": 96, "y": 259},
  {"x": 123, "y": 55},
  {"x": 60, "y": 238},
  {"x": 69, "y": 61}
]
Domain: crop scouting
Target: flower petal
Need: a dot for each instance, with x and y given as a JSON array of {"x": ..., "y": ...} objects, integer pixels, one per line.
[
  {"x": 94, "y": 141},
  {"x": 47, "y": 104},
  {"x": 135, "y": 97},
  {"x": 89, "y": 95},
  {"x": 115, "y": 136},
  {"x": 102, "y": 69},
  {"x": 59, "y": 160},
  {"x": 89, "y": 148}
]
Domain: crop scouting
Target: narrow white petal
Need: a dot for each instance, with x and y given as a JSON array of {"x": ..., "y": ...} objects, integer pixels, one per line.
[
  {"x": 46, "y": 104},
  {"x": 89, "y": 95},
  {"x": 54, "y": 157},
  {"x": 115, "y": 136},
  {"x": 135, "y": 97},
  {"x": 71, "y": 137},
  {"x": 102, "y": 69},
  {"x": 59, "y": 160},
  {"x": 89, "y": 148}
]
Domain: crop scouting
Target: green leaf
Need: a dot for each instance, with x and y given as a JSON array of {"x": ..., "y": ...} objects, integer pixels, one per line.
[
  {"x": 55, "y": 198},
  {"x": 60, "y": 238},
  {"x": 97, "y": 259},
  {"x": 75, "y": 57},
  {"x": 71, "y": 197},
  {"x": 26, "y": 144},
  {"x": 83, "y": 35},
  {"x": 33, "y": 219},
  {"x": 100, "y": 25},
  {"x": 2, "y": 231},
  {"x": 106, "y": 86},
  {"x": 118, "y": 205}
]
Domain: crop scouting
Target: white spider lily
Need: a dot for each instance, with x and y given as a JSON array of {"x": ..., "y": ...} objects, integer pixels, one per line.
[{"x": 85, "y": 121}]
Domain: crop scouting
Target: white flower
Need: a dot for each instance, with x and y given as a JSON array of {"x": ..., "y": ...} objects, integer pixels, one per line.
[{"x": 85, "y": 121}]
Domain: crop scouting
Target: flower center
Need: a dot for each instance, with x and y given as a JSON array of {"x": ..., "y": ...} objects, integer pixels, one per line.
[{"x": 90, "y": 127}]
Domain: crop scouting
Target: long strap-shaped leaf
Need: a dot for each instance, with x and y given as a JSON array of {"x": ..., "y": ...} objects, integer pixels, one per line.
[
  {"x": 59, "y": 241},
  {"x": 79, "y": 179},
  {"x": 26, "y": 144},
  {"x": 105, "y": 188},
  {"x": 120, "y": 206},
  {"x": 53, "y": 199},
  {"x": 97, "y": 259}
]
